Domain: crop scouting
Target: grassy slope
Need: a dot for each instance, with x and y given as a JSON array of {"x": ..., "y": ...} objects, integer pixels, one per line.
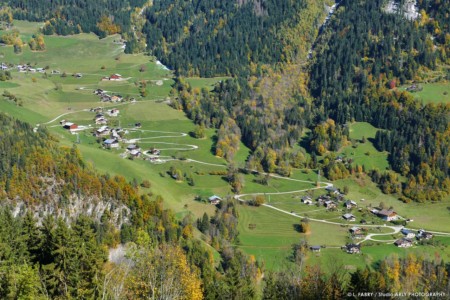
[{"x": 433, "y": 92}]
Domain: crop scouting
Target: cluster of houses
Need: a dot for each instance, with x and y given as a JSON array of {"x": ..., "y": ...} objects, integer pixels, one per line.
[
  {"x": 134, "y": 150},
  {"x": 408, "y": 237},
  {"x": 100, "y": 117},
  {"x": 105, "y": 97},
  {"x": 28, "y": 68},
  {"x": 349, "y": 248}
]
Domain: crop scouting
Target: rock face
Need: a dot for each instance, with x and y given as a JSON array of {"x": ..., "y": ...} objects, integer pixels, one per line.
[
  {"x": 408, "y": 9},
  {"x": 50, "y": 203}
]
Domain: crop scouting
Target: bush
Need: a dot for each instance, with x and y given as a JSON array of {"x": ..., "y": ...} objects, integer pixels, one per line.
[{"x": 146, "y": 184}]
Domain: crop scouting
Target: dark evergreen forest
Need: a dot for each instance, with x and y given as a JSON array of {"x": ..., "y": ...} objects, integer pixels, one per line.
[
  {"x": 212, "y": 38},
  {"x": 74, "y": 16}
]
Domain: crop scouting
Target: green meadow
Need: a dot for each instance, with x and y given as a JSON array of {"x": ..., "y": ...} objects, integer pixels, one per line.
[{"x": 438, "y": 92}]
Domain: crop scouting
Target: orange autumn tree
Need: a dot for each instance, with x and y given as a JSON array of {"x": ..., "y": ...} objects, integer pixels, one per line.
[{"x": 107, "y": 26}]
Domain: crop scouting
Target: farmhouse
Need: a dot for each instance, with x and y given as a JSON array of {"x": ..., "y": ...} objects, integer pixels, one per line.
[
  {"x": 70, "y": 126},
  {"x": 99, "y": 92},
  {"x": 349, "y": 217},
  {"x": 102, "y": 131},
  {"x": 332, "y": 190},
  {"x": 408, "y": 233},
  {"x": 115, "y": 77},
  {"x": 133, "y": 147},
  {"x": 387, "y": 215},
  {"x": 214, "y": 199},
  {"x": 355, "y": 230},
  {"x": 329, "y": 204},
  {"x": 100, "y": 120},
  {"x": 111, "y": 143},
  {"x": 424, "y": 235},
  {"x": 105, "y": 98},
  {"x": 350, "y": 204},
  {"x": 155, "y": 151},
  {"x": 135, "y": 153},
  {"x": 403, "y": 243},
  {"x": 307, "y": 200},
  {"x": 116, "y": 98},
  {"x": 352, "y": 248},
  {"x": 315, "y": 248}
]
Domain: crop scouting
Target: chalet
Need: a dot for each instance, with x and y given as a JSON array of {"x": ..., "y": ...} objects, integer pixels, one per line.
[
  {"x": 132, "y": 147},
  {"x": 403, "y": 243},
  {"x": 332, "y": 190},
  {"x": 214, "y": 199},
  {"x": 315, "y": 248},
  {"x": 352, "y": 248},
  {"x": 116, "y": 98},
  {"x": 105, "y": 98},
  {"x": 102, "y": 131},
  {"x": 70, "y": 126},
  {"x": 349, "y": 217},
  {"x": 111, "y": 143},
  {"x": 113, "y": 112},
  {"x": 349, "y": 204},
  {"x": 115, "y": 77},
  {"x": 135, "y": 152},
  {"x": 97, "y": 110},
  {"x": 355, "y": 230},
  {"x": 115, "y": 135},
  {"x": 307, "y": 200},
  {"x": 408, "y": 233},
  {"x": 329, "y": 204},
  {"x": 99, "y": 92},
  {"x": 154, "y": 151},
  {"x": 101, "y": 120},
  {"x": 424, "y": 235},
  {"x": 387, "y": 215},
  {"x": 22, "y": 68}
]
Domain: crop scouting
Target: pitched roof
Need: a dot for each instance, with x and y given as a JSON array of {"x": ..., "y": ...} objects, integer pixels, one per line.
[{"x": 214, "y": 197}]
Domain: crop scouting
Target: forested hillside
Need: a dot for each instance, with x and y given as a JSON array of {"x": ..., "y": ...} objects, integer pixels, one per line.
[
  {"x": 365, "y": 55},
  {"x": 69, "y": 17},
  {"x": 211, "y": 38},
  {"x": 360, "y": 59}
]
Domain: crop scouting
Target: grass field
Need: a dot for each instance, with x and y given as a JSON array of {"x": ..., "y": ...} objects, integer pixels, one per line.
[
  {"x": 362, "y": 151},
  {"x": 433, "y": 92}
]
